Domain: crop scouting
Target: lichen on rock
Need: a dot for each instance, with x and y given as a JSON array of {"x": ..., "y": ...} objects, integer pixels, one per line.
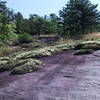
[
  {"x": 86, "y": 47},
  {"x": 83, "y": 51},
  {"x": 25, "y": 62},
  {"x": 19, "y": 64},
  {"x": 31, "y": 65},
  {"x": 94, "y": 45}
]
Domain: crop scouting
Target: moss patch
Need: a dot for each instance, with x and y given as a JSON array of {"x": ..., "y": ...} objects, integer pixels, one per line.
[
  {"x": 47, "y": 51},
  {"x": 94, "y": 45},
  {"x": 30, "y": 66},
  {"x": 12, "y": 64},
  {"x": 84, "y": 51}
]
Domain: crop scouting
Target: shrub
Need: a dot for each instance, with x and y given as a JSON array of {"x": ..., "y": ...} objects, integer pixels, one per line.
[
  {"x": 25, "y": 38},
  {"x": 2, "y": 37},
  {"x": 9, "y": 36}
]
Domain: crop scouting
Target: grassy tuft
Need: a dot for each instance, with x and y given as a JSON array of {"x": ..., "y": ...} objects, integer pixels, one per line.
[{"x": 91, "y": 36}]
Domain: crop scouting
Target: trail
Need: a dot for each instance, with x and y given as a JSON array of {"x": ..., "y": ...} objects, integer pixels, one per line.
[{"x": 63, "y": 77}]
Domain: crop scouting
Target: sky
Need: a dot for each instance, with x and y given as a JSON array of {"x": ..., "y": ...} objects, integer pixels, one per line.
[{"x": 40, "y": 7}]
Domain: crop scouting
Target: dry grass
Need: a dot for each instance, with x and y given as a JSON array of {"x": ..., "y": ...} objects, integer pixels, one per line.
[
  {"x": 52, "y": 35},
  {"x": 91, "y": 36},
  {"x": 6, "y": 50},
  {"x": 65, "y": 41}
]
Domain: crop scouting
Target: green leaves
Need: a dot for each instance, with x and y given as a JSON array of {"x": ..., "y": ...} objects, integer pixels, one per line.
[
  {"x": 25, "y": 38},
  {"x": 79, "y": 17}
]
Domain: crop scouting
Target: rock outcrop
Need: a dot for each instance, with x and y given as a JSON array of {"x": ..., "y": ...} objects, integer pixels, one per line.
[{"x": 27, "y": 62}]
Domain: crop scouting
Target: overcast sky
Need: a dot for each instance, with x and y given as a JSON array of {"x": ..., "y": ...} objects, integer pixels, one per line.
[{"x": 40, "y": 7}]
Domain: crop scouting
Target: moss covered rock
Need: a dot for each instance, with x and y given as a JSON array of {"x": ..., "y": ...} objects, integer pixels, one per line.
[
  {"x": 30, "y": 66},
  {"x": 83, "y": 51},
  {"x": 4, "y": 58},
  {"x": 10, "y": 65},
  {"x": 25, "y": 62},
  {"x": 3, "y": 62},
  {"x": 33, "y": 54},
  {"x": 94, "y": 45},
  {"x": 47, "y": 51}
]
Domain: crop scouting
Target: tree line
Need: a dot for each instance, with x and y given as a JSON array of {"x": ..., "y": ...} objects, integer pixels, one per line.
[
  {"x": 15, "y": 23},
  {"x": 76, "y": 18}
]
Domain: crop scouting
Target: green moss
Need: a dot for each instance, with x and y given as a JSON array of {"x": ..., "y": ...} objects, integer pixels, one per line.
[
  {"x": 6, "y": 67},
  {"x": 24, "y": 62},
  {"x": 91, "y": 46},
  {"x": 9, "y": 65},
  {"x": 47, "y": 51},
  {"x": 94, "y": 45},
  {"x": 25, "y": 38},
  {"x": 83, "y": 51},
  {"x": 4, "y": 58},
  {"x": 30, "y": 66}
]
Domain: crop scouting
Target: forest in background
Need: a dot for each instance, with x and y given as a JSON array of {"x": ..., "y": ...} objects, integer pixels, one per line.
[{"x": 77, "y": 18}]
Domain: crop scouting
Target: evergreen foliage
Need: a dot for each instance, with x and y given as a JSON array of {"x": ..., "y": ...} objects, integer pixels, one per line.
[{"x": 79, "y": 17}]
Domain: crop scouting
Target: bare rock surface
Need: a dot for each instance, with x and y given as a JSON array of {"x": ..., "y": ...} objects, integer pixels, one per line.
[{"x": 63, "y": 77}]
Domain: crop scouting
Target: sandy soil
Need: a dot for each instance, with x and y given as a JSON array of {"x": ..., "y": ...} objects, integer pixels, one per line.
[{"x": 63, "y": 77}]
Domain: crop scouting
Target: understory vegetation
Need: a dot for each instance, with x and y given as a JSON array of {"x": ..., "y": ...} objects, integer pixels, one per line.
[
  {"x": 77, "y": 18},
  {"x": 24, "y": 40}
]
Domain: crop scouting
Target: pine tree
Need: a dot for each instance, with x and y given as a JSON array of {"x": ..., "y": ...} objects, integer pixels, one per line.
[{"x": 79, "y": 17}]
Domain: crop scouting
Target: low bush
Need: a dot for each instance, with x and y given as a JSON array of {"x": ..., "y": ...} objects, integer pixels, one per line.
[{"x": 25, "y": 38}]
